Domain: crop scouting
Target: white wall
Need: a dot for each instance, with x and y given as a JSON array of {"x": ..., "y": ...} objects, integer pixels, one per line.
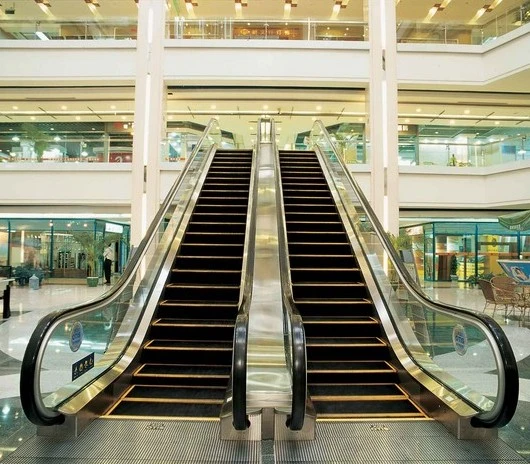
[{"x": 423, "y": 187}]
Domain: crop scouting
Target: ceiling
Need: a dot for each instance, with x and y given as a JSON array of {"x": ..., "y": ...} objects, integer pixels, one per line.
[
  {"x": 455, "y": 11},
  {"x": 294, "y": 109}
]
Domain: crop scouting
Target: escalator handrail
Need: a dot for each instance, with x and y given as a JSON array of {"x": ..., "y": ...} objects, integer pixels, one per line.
[
  {"x": 30, "y": 393},
  {"x": 240, "y": 419},
  {"x": 298, "y": 366},
  {"x": 508, "y": 383}
]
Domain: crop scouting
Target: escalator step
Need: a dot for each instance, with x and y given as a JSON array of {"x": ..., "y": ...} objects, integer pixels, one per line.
[
  {"x": 209, "y": 262},
  {"x": 329, "y": 291},
  {"x": 311, "y": 236},
  {"x": 167, "y": 410},
  {"x": 178, "y": 393},
  {"x": 187, "y": 352},
  {"x": 214, "y": 237},
  {"x": 194, "y": 292},
  {"x": 206, "y": 276},
  {"x": 324, "y": 326},
  {"x": 192, "y": 370},
  {"x": 322, "y": 261},
  {"x": 355, "y": 392},
  {"x": 196, "y": 309},
  {"x": 326, "y": 274},
  {"x": 366, "y": 409},
  {"x": 305, "y": 248},
  {"x": 314, "y": 226},
  {"x": 338, "y": 307},
  {"x": 211, "y": 249},
  {"x": 355, "y": 348},
  {"x": 183, "y": 329},
  {"x": 350, "y": 372}
]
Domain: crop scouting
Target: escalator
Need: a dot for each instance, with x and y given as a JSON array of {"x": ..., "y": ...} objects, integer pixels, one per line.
[
  {"x": 350, "y": 372},
  {"x": 185, "y": 359}
]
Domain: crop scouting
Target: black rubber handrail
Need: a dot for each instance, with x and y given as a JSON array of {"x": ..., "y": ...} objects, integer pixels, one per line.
[
  {"x": 30, "y": 394},
  {"x": 240, "y": 419},
  {"x": 298, "y": 350},
  {"x": 508, "y": 389}
]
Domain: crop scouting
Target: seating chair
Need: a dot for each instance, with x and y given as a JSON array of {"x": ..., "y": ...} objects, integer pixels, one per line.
[
  {"x": 505, "y": 292},
  {"x": 489, "y": 296}
]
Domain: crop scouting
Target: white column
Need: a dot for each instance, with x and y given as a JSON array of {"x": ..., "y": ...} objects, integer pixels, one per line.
[
  {"x": 149, "y": 116},
  {"x": 383, "y": 122}
]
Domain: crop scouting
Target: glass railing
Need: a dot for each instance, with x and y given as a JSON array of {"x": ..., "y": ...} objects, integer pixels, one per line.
[
  {"x": 27, "y": 29},
  {"x": 313, "y": 29},
  {"x": 463, "y": 356},
  {"x": 72, "y": 348}
]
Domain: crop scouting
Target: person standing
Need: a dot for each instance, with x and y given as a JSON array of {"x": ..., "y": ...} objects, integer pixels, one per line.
[{"x": 108, "y": 259}]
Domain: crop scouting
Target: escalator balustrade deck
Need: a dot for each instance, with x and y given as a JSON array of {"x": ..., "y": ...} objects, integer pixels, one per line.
[
  {"x": 350, "y": 372},
  {"x": 186, "y": 357}
]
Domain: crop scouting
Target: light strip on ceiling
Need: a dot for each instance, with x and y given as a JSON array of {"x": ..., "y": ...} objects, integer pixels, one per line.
[
  {"x": 41, "y": 35},
  {"x": 485, "y": 9},
  {"x": 435, "y": 9},
  {"x": 44, "y": 5}
]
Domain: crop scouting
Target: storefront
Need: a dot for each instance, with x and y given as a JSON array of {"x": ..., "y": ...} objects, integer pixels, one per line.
[
  {"x": 467, "y": 250},
  {"x": 61, "y": 250}
]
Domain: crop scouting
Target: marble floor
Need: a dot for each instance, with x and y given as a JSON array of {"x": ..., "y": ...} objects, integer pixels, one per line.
[{"x": 28, "y": 306}]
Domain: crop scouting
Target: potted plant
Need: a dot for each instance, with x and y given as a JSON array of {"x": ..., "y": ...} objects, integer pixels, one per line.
[
  {"x": 453, "y": 268},
  {"x": 92, "y": 245}
]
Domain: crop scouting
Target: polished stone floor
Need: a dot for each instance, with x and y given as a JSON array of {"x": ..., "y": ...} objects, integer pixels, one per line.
[{"x": 28, "y": 306}]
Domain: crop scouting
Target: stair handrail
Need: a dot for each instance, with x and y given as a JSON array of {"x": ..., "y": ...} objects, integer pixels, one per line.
[
  {"x": 240, "y": 419},
  {"x": 30, "y": 393},
  {"x": 508, "y": 383},
  {"x": 294, "y": 328}
]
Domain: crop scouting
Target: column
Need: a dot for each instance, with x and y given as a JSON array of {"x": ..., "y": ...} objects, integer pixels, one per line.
[
  {"x": 149, "y": 116},
  {"x": 382, "y": 122}
]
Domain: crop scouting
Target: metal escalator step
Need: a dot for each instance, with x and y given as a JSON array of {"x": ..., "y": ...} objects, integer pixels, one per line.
[
  {"x": 325, "y": 326},
  {"x": 217, "y": 200},
  {"x": 364, "y": 342},
  {"x": 177, "y": 394},
  {"x": 322, "y": 261},
  {"x": 183, "y": 370},
  {"x": 177, "y": 345},
  {"x": 187, "y": 352},
  {"x": 219, "y": 217},
  {"x": 198, "y": 292},
  {"x": 168, "y": 411},
  {"x": 337, "y": 307},
  {"x": 192, "y": 329},
  {"x": 307, "y": 275},
  {"x": 328, "y": 291},
  {"x": 366, "y": 409},
  {"x": 212, "y": 237},
  {"x": 305, "y": 199},
  {"x": 316, "y": 249},
  {"x": 356, "y": 392},
  {"x": 220, "y": 227},
  {"x": 211, "y": 249},
  {"x": 206, "y": 276},
  {"x": 328, "y": 367},
  {"x": 314, "y": 226},
  {"x": 197, "y": 309},
  {"x": 198, "y": 263},
  {"x": 309, "y": 208}
]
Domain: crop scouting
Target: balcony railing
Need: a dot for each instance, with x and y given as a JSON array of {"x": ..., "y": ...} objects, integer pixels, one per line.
[{"x": 270, "y": 29}]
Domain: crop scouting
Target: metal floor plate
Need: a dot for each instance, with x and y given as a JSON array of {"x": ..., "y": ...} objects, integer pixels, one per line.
[
  {"x": 190, "y": 442},
  {"x": 145, "y": 442},
  {"x": 411, "y": 442}
]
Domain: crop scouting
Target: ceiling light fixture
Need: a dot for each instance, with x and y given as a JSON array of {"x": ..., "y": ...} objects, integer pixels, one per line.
[
  {"x": 435, "y": 9},
  {"x": 337, "y": 7},
  {"x": 287, "y": 8},
  {"x": 485, "y": 9},
  {"x": 44, "y": 5}
]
